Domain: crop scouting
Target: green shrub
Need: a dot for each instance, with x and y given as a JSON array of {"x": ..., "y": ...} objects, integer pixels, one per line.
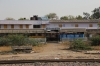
[
  {"x": 16, "y": 40},
  {"x": 3, "y": 41},
  {"x": 95, "y": 41},
  {"x": 78, "y": 44},
  {"x": 33, "y": 42}
]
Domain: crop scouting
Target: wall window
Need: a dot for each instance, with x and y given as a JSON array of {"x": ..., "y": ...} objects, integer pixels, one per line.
[
  {"x": 76, "y": 25},
  {"x": 5, "y": 26},
  {"x": 43, "y": 25},
  {"x": 36, "y": 26},
  {"x": 27, "y": 26},
  {"x": 60, "y": 25},
  {"x": 90, "y": 25},
  {"x": 21, "y": 26},
  {"x": 12, "y": 26}
]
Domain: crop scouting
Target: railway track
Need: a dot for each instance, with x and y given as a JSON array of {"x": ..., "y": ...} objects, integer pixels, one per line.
[{"x": 50, "y": 60}]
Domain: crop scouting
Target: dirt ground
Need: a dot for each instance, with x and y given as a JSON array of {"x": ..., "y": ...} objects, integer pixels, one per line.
[{"x": 51, "y": 51}]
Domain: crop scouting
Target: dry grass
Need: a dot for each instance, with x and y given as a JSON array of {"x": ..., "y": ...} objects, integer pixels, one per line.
[
  {"x": 93, "y": 47},
  {"x": 66, "y": 44},
  {"x": 96, "y": 47},
  {"x": 39, "y": 48},
  {"x": 5, "y": 48}
]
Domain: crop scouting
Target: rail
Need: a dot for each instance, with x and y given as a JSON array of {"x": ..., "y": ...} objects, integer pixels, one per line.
[{"x": 49, "y": 60}]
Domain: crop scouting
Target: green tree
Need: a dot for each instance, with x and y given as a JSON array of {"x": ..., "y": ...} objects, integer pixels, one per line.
[
  {"x": 79, "y": 17},
  {"x": 9, "y": 18},
  {"x": 64, "y": 18},
  {"x": 86, "y": 15},
  {"x": 96, "y": 13},
  {"x": 70, "y": 17},
  {"x": 52, "y": 16},
  {"x": 22, "y": 19},
  {"x": 98, "y": 24}
]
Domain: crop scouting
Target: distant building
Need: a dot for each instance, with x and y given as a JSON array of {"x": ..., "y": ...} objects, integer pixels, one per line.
[{"x": 53, "y": 30}]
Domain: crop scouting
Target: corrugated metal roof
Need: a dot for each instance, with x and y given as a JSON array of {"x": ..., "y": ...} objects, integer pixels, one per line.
[
  {"x": 43, "y": 21},
  {"x": 95, "y": 20},
  {"x": 23, "y": 22}
]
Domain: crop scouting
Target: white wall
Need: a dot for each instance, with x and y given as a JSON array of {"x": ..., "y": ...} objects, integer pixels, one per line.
[
  {"x": 72, "y": 25},
  {"x": 86, "y": 25},
  {"x": 52, "y": 25},
  {"x": 65, "y": 25},
  {"x": 16, "y": 26},
  {"x": 16, "y": 23}
]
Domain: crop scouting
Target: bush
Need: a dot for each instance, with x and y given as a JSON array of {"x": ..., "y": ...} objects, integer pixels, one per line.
[
  {"x": 33, "y": 42},
  {"x": 16, "y": 40},
  {"x": 95, "y": 41},
  {"x": 3, "y": 41},
  {"x": 78, "y": 44}
]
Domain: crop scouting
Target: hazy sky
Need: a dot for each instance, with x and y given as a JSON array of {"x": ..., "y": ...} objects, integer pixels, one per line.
[{"x": 28, "y": 8}]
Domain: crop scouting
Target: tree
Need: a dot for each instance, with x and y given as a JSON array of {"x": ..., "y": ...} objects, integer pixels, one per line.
[
  {"x": 96, "y": 13},
  {"x": 79, "y": 17},
  {"x": 52, "y": 16},
  {"x": 70, "y": 17},
  {"x": 22, "y": 19},
  {"x": 86, "y": 15},
  {"x": 64, "y": 18},
  {"x": 98, "y": 24},
  {"x": 9, "y": 18}
]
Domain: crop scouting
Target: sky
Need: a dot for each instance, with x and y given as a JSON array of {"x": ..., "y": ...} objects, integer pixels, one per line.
[{"x": 27, "y": 8}]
